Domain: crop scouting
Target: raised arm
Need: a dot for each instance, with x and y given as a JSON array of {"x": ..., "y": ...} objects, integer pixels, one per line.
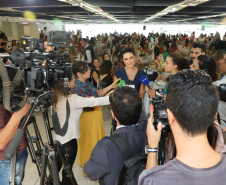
[
  {"x": 142, "y": 90},
  {"x": 153, "y": 140},
  {"x": 7, "y": 132},
  {"x": 80, "y": 102}
]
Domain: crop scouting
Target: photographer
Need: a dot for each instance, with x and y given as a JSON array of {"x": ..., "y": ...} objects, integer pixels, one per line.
[
  {"x": 8, "y": 125},
  {"x": 190, "y": 116},
  {"x": 68, "y": 141}
]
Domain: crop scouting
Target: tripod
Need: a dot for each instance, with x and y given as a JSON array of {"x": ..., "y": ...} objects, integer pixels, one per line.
[{"x": 43, "y": 155}]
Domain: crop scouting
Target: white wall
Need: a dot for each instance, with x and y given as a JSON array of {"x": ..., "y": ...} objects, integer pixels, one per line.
[
  {"x": 15, "y": 34},
  {"x": 34, "y": 32},
  {"x": 51, "y": 26}
]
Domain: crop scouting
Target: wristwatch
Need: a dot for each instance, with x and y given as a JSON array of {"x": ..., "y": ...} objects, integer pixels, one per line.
[{"x": 150, "y": 150}]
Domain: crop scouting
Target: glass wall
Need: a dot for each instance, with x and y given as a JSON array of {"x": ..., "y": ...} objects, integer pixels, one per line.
[{"x": 94, "y": 29}]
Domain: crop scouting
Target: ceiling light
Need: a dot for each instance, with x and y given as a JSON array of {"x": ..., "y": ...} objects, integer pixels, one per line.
[
  {"x": 174, "y": 8},
  {"x": 162, "y": 13}
]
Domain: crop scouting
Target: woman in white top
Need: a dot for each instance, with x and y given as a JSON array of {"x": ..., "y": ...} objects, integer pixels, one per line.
[{"x": 76, "y": 104}]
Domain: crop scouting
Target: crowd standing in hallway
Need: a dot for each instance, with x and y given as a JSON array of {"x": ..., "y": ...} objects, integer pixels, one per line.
[{"x": 190, "y": 94}]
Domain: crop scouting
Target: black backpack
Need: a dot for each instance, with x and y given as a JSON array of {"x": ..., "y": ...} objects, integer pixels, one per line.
[{"x": 133, "y": 165}]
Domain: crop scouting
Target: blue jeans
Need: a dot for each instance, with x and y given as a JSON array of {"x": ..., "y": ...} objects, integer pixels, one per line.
[{"x": 5, "y": 168}]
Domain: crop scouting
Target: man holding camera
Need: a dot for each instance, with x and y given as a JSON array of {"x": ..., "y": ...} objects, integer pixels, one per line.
[
  {"x": 106, "y": 159},
  {"x": 192, "y": 102},
  {"x": 8, "y": 125}
]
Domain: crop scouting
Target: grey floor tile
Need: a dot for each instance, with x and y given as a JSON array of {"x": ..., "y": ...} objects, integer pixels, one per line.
[{"x": 31, "y": 173}]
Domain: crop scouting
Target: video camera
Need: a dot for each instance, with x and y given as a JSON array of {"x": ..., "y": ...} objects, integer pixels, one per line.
[
  {"x": 31, "y": 44},
  {"x": 160, "y": 114},
  {"x": 40, "y": 71}
]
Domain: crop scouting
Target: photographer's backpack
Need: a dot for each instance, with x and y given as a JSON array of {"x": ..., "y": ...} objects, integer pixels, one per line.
[{"x": 133, "y": 164}]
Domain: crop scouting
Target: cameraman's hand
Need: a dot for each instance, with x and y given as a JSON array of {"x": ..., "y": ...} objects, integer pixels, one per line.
[
  {"x": 23, "y": 111},
  {"x": 152, "y": 134}
]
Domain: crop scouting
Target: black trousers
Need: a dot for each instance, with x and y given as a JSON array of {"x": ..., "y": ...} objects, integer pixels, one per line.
[{"x": 70, "y": 148}]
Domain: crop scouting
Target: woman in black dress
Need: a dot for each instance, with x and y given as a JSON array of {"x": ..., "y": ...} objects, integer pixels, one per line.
[
  {"x": 105, "y": 74},
  {"x": 95, "y": 71}
]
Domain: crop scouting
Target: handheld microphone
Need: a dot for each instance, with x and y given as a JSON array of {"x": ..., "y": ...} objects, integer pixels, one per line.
[
  {"x": 144, "y": 80},
  {"x": 118, "y": 80},
  {"x": 121, "y": 84}
]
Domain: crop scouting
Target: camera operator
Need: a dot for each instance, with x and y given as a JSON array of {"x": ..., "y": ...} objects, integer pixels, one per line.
[
  {"x": 190, "y": 116},
  {"x": 47, "y": 47},
  {"x": 8, "y": 125}
]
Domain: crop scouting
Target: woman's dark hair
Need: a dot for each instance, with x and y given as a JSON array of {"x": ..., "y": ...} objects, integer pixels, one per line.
[
  {"x": 157, "y": 54},
  {"x": 186, "y": 42},
  {"x": 104, "y": 55},
  {"x": 127, "y": 50},
  {"x": 105, "y": 67},
  {"x": 212, "y": 135},
  {"x": 92, "y": 64},
  {"x": 79, "y": 67},
  {"x": 208, "y": 64},
  {"x": 174, "y": 43},
  {"x": 13, "y": 41},
  {"x": 2, "y": 35},
  {"x": 180, "y": 61},
  {"x": 124, "y": 42}
]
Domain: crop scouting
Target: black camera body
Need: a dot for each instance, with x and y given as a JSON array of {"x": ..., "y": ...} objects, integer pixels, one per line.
[
  {"x": 46, "y": 70},
  {"x": 40, "y": 71},
  {"x": 160, "y": 114}
]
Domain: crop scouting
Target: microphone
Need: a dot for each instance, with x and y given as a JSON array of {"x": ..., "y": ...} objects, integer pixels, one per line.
[
  {"x": 144, "y": 80},
  {"x": 118, "y": 80},
  {"x": 121, "y": 83},
  {"x": 153, "y": 76}
]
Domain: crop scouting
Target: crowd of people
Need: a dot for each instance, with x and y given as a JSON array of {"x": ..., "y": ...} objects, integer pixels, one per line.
[{"x": 191, "y": 68}]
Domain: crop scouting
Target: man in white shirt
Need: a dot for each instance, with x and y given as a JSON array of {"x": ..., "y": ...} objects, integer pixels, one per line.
[{"x": 89, "y": 52}]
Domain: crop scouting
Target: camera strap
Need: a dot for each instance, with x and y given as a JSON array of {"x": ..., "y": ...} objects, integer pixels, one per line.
[{"x": 9, "y": 86}]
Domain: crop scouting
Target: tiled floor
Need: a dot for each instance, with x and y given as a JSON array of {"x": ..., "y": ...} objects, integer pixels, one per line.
[{"x": 31, "y": 173}]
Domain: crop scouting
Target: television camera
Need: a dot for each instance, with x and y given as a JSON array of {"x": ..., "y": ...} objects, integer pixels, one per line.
[{"x": 35, "y": 77}]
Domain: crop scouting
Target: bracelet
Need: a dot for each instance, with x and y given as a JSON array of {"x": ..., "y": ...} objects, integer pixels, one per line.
[{"x": 152, "y": 150}]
